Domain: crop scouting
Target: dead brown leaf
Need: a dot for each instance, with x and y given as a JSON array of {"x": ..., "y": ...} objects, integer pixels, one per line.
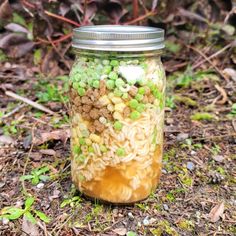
[
  {"x": 49, "y": 152},
  {"x": 120, "y": 231},
  {"x": 5, "y": 10},
  {"x": 29, "y": 228},
  {"x": 61, "y": 134},
  {"x": 230, "y": 73},
  {"x": 216, "y": 212}
]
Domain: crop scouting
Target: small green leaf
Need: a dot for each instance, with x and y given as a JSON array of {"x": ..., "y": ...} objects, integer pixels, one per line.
[
  {"x": 26, "y": 177},
  {"x": 29, "y": 202},
  {"x": 65, "y": 202},
  {"x": 35, "y": 180},
  {"x": 12, "y": 213},
  {"x": 42, "y": 216},
  {"x": 18, "y": 19},
  {"x": 172, "y": 47},
  {"x": 37, "y": 56},
  {"x": 42, "y": 170},
  {"x": 202, "y": 116},
  {"x": 131, "y": 233},
  {"x": 30, "y": 217},
  {"x": 44, "y": 177}
]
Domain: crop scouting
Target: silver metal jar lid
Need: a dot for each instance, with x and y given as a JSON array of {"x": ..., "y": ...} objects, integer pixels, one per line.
[{"x": 118, "y": 38}]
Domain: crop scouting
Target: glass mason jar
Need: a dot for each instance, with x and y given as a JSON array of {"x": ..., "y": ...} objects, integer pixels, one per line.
[{"x": 117, "y": 88}]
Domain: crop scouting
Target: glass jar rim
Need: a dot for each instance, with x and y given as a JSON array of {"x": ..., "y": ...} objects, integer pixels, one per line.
[{"x": 118, "y": 38}]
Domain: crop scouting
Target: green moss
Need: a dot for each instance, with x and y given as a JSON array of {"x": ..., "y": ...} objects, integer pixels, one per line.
[
  {"x": 202, "y": 116},
  {"x": 170, "y": 197},
  {"x": 185, "y": 178},
  {"x": 186, "y": 225},
  {"x": 163, "y": 228},
  {"x": 185, "y": 100}
]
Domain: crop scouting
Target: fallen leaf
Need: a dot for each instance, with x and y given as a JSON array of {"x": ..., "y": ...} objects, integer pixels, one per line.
[
  {"x": 218, "y": 158},
  {"x": 16, "y": 44},
  {"x": 5, "y": 10},
  {"x": 231, "y": 73},
  {"x": 29, "y": 228},
  {"x": 120, "y": 231},
  {"x": 49, "y": 152},
  {"x": 216, "y": 212},
  {"x": 61, "y": 134},
  {"x": 16, "y": 28},
  {"x": 5, "y": 139}
]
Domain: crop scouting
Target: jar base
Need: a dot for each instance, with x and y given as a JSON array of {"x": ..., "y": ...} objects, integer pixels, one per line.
[{"x": 105, "y": 202}]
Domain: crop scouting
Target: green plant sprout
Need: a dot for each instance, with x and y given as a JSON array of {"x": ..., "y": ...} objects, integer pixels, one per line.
[
  {"x": 215, "y": 150},
  {"x": 202, "y": 116},
  {"x": 73, "y": 202},
  {"x": 14, "y": 213},
  {"x": 11, "y": 128},
  {"x": 188, "y": 143},
  {"x": 170, "y": 102},
  {"x": 37, "y": 175}
]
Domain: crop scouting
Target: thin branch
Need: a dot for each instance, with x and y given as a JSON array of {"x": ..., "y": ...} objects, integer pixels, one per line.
[
  {"x": 24, "y": 2},
  {"x": 62, "y": 18},
  {"x": 29, "y": 102},
  {"x": 215, "y": 137},
  {"x": 150, "y": 13},
  {"x": 207, "y": 59},
  {"x": 135, "y": 9},
  {"x": 61, "y": 39},
  {"x": 223, "y": 94},
  {"x": 59, "y": 54},
  {"x": 15, "y": 110},
  {"x": 213, "y": 55}
]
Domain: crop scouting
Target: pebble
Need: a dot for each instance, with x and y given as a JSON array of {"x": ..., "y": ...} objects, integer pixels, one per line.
[
  {"x": 165, "y": 206},
  {"x": 193, "y": 152},
  {"x": 182, "y": 136},
  {"x": 163, "y": 171},
  {"x": 5, "y": 139},
  {"x": 139, "y": 224},
  {"x": 5, "y": 221},
  {"x": 130, "y": 215},
  {"x": 146, "y": 221},
  {"x": 190, "y": 166},
  {"x": 152, "y": 220},
  {"x": 218, "y": 158},
  {"x": 40, "y": 185}
]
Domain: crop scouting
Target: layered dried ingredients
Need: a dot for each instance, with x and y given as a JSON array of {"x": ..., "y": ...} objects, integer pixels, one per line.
[{"x": 117, "y": 112}]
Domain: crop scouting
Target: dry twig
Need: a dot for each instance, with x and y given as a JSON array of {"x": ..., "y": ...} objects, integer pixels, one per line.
[
  {"x": 208, "y": 60},
  {"x": 29, "y": 102},
  {"x": 214, "y": 55},
  {"x": 223, "y": 94},
  {"x": 15, "y": 110}
]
